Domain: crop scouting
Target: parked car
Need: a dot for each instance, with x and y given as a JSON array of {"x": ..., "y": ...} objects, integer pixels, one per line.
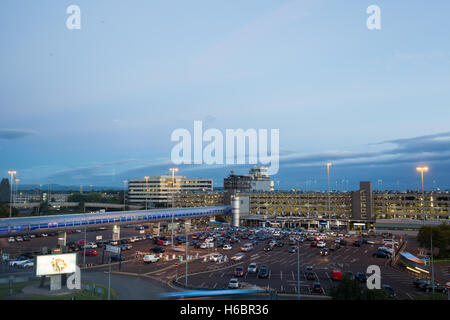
[
  {"x": 321, "y": 244},
  {"x": 313, "y": 244},
  {"x": 390, "y": 291},
  {"x": 381, "y": 254},
  {"x": 357, "y": 243},
  {"x": 233, "y": 284},
  {"x": 280, "y": 244},
  {"x": 336, "y": 275},
  {"x": 362, "y": 277},
  {"x": 117, "y": 258},
  {"x": 151, "y": 258},
  {"x": 316, "y": 288},
  {"x": 238, "y": 256},
  {"x": 239, "y": 271},
  {"x": 252, "y": 268},
  {"x": 268, "y": 248},
  {"x": 350, "y": 275},
  {"x": 27, "y": 264},
  {"x": 263, "y": 271},
  {"x": 247, "y": 247},
  {"x": 91, "y": 252},
  {"x": 11, "y": 239},
  {"x": 90, "y": 245},
  {"x": 158, "y": 249},
  {"x": 19, "y": 239},
  {"x": 324, "y": 252},
  {"x": 293, "y": 249},
  {"x": 311, "y": 275},
  {"x": 26, "y": 238},
  {"x": 125, "y": 246},
  {"x": 227, "y": 247},
  {"x": 216, "y": 257}
]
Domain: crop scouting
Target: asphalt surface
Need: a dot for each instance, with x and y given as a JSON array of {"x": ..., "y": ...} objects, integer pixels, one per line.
[{"x": 136, "y": 280}]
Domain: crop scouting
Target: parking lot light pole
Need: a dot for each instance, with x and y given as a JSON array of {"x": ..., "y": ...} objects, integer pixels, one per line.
[
  {"x": 173, "y": 194},
  {"x": 11, "y": 173},
  {"x": 298, "y": 268},
  {"x": 432, "y": 265},
  {"x": 187, "y": 243},
  {"x": 84, "y": 248},
  {"x": 329, "y": 210},
  {"x": 124, "y": 186}
]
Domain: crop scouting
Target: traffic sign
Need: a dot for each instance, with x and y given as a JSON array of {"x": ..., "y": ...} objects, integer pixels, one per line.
[{"x": 112, "y": 249}]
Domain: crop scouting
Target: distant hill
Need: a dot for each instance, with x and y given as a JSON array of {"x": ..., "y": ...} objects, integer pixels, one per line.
[{"x": 58, "y": 187}]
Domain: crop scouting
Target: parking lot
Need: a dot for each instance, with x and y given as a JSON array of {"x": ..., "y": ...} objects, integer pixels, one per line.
[{"x": 203, "y": 272}]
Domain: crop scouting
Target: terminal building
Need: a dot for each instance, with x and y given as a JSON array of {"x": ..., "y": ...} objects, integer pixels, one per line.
[
  {"x": 257, "y": 180},
  {"x": 158, "y": 191}
]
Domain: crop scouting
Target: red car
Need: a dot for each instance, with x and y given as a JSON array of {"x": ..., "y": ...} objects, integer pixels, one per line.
[
  {"x": 80, "y": 242},
  {"x": 313, "y": 244},
  {"x": 239, "y": 272},
  {"x": 91, "y": 253},
  {"x": 159, "y": 242}
]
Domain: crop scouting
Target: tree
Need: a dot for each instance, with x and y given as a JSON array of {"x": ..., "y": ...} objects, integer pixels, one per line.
[
  {"x": 349, "y": 289},
  {"x": 5, "y": 190},
  {"x": 441, "y": 238}
]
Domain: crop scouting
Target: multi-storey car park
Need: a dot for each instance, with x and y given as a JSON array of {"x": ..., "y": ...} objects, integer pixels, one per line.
[{"x": 355, "y": 210}]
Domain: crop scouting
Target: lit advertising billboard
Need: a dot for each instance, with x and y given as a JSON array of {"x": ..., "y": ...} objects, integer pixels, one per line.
[{"x": 52, "y": 264}]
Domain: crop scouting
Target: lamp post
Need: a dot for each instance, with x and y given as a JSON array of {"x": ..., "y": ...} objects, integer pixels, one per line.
[
  {"x": 422, "y": 170},
  {"x": 298, "y": 267},
  {"x": 11, "y": 173},
  {"x": 173, "y": 190},
  {"x": 146, "y": 191},
  {"x": 329, "y": 210}
]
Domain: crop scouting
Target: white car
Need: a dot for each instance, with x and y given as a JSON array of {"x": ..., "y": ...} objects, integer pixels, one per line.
[
  {"x": 238, "y": 256},
  {"x": 11, "y": 239},
  {"x": 27, "y": 264},
  {"x": 227, "y": 247},
  {"x": 370, "y": 242},
  {"x": 233, "y": 284},
  {"x": 206, "y": 245},
  {"x": 252, "y": 268},
  {"x": 216, "y": 257},
  {"x": 321, "y": 244},
  {"x": 149, "y": 258},
  {"x": 32, "y": 236},
  {"x": 90, "y": 245},
  {"x": 19, "y": 239},
  {"x": 166, "y": 242},
  {"x": 209, "y": 239},
  {"x": 16, "y": 263},
  {"x": 247, "y": 247}
]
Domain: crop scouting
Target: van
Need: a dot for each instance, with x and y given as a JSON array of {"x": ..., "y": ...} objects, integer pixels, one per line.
[{"x": 149, "y": 258}]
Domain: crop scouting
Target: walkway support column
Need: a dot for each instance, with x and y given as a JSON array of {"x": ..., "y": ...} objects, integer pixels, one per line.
[
  {"x": 235, "y": 210},
  {"x": 156, "y": 228},
  {"x": 187, "y": 225},
  {"x": 62, "y": 237},
  {"x": 116, "y": 233}
]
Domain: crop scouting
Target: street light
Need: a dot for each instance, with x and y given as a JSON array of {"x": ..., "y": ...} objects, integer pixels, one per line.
[
  {"x": 146, "y": 191},
  {"x": 329, "y": 210},
  {"x": 422, "y": 170},
  {"x": 11, "y": 173},
  {"x": 173, "y": 190}
]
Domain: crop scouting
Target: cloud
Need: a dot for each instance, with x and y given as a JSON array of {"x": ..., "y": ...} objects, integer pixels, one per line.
[{"x": 11, "y": 134}]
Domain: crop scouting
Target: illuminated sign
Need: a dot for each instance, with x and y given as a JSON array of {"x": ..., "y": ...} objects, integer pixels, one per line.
[{"x": 53, "y": 264}]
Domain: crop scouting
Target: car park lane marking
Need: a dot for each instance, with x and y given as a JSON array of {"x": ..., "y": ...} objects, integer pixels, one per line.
[{"x": 293, "y": 277}]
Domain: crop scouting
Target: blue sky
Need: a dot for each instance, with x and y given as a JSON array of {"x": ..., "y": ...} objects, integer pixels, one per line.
[{"x": 98, "y": 105}]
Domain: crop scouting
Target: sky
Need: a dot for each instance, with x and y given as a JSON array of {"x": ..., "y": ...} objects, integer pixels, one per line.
[{"x": 98, "y": 105}]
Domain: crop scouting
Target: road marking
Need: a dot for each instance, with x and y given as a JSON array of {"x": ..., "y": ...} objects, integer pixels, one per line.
[
  {"x": 270, "y": 273},
  {"x": 215, "y": 284},
  {"x": 222, "y": 274},
  {"x": 281, "y": 275},
  {"x": 328, "y": 276},
  {"x": 293, "y": 277},
  {"x": 210, "y": 275}
]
